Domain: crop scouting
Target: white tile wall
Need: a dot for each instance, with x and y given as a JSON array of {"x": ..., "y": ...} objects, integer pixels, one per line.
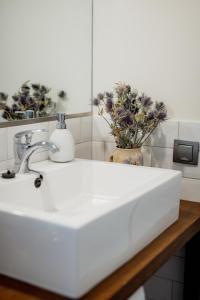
[
  {"x": 147, "y": 155},
  {"x": 109, "y": 148},
  {"x": 189, "y": 131},
  {"x": 39, "y": 156},
  {"x": 173, "y": 269},
  {"x": 6, "y": 164},
  {"x": 177, "y": 291},
  {"x": 86, "y": 129},
  {"x": 74, "y": 126},
  {"x": 84, "y": 150},
  {"x": 98, "y": 151},
  {"x": 164, "y": 135},
  {"x": 181, "y": 253},
  {"x": 163, "y": 289},
  {"x": 3, "y": 144},
  {"x": 164, "y": 292},
  {"x": 52, "y": 127},
  {"x": 101, "y": 130},
  {"x": 167, "y": 283},
  {"x": 188, "y": 171},
  {"x": 190, "y": 189},
  {"x": 162, "y": 157}
]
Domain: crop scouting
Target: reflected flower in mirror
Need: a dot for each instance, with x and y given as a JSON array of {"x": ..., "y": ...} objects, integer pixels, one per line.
[{"x": 32, "y": 100}]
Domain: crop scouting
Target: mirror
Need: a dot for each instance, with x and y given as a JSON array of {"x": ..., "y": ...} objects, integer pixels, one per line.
[{"x": 45, "y": 58}]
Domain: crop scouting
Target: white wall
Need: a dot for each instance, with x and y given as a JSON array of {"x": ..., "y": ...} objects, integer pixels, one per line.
[
  {"x": 154, "y": 45},
  {"x": 47, "y": 41}
]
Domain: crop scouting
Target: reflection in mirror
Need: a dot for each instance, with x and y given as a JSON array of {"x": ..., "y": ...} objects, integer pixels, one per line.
[
  {"x": 30, "y": 101},
  {"x": 45, "y": 58}
]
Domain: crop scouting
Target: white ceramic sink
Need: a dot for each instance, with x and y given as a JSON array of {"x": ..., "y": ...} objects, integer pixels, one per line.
[{"x": 87, "y": 219}]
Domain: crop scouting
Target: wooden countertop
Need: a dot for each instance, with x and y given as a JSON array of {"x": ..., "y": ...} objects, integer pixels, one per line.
[{"x": 123, "y": 282}]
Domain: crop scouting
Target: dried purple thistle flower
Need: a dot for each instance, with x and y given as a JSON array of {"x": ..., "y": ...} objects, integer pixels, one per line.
[
  {"x": 109, "y": 105},
  {"x": 120, "y": 89},
  {"x": 62, "y": 94},
  {"x": 3, "y": 96},
  {"x": 134, "y": 94},
  {"x": 151, "y": 115},
  {"x": 25, "y": 88},
  {"x": 36, "y": 94},
  {"x": 41, "y": 107},
  {"x": 162, "y": 116},
  {"x": 160, "y": 106},
  {"x": 145, "y": 100},
  {"x": 127, "y": 88},
  {"x": 15, "y": 97},
  {"x": 128, "y": 119},
  {"x": 119, "y": 111},
  {"x": 6, "y": 113},
  {"x": 15, "y": 107},
  {"x": 44, "y": 89},
  {"x": 49, "y": 102},
  {"x": 95, "y": 102},
  {"x": 127, "y": 103},
  {"x": 109, "y": 95},
  {"x": 36, "y": 86},
  {"x": 100, "y": 96},
  {"x": 22, "y": 100}
]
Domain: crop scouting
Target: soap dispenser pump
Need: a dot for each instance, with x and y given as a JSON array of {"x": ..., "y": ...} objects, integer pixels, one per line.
[{"x": 64, "y": 140}]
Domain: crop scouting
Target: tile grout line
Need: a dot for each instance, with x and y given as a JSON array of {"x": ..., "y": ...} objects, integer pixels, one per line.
[
  {"x": 172, "y": 290},
  {"x": 7, "y": 158},
  {"x": 168, "y": 279},
  {"x": 92, "y": 78},
  {"x": 178, "y": 129}
]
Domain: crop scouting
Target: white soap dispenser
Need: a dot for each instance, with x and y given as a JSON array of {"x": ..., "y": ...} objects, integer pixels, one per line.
[{"x": 64, "y": 140}]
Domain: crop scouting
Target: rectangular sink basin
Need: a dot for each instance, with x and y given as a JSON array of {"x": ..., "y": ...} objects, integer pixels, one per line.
[{"x": 86, "y": 220}]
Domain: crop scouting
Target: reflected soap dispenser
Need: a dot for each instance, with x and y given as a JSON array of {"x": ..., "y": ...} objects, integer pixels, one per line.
[{"x": 64, "y": 140}]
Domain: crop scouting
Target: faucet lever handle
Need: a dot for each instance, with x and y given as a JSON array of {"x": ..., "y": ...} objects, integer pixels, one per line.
[{"x": 28, "y": 134}]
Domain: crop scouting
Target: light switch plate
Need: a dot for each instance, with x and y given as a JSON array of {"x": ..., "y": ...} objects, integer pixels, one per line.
[{"x": 186, "y": 152}]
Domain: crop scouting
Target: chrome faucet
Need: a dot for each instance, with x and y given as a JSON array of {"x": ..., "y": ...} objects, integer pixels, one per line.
[{"x": 23, "y": 149}]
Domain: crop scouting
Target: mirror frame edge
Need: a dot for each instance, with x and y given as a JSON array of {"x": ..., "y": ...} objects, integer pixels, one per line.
[{"x": 42, "y": 119}]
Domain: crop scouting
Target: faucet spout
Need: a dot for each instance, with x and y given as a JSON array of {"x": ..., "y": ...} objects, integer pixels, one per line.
[
  {"x": 46, "y": 145},
  {"x": 24, "y": 166}
]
